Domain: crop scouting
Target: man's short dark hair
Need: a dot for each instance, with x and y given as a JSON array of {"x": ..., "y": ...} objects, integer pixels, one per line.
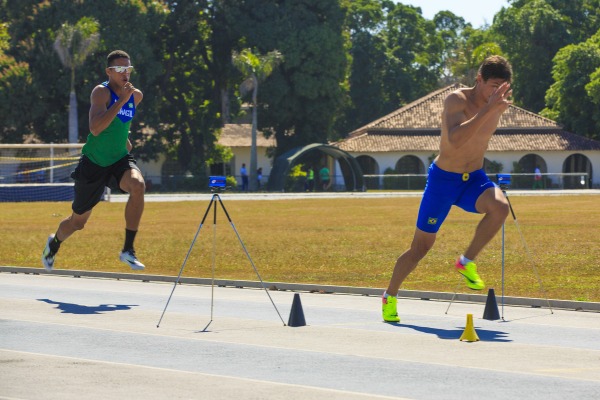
[
  {"x": 496, "y": 67},
  {"x": 114, "y": 55}
]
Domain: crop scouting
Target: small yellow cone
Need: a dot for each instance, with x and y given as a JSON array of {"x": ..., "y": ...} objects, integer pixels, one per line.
[{"x": 469, "y": 334}]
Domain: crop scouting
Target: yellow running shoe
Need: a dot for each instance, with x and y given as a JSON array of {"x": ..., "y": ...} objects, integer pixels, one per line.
[
  {"x": 389, "y": 310},
  {"x": 469, "y": 271}
]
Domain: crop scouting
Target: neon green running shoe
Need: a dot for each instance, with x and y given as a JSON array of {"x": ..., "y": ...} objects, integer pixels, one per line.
[
  {"x": 389, "y": 310},
  {"x": 469, "y": 271}
]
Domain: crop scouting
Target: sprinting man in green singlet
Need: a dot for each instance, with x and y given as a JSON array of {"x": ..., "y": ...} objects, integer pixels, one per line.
[{"x": 106, "y": 155}]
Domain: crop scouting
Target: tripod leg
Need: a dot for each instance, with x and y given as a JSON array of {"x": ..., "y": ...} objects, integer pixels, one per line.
[
  {"x": 249, "y": 258},
  {"x": 212, "y": 201},
  {"x": 213, "y": 264},
  {"x": 533, "y": 264},
  {"x": 453, "y": 296},
  {"x": 503, "y": 269}
]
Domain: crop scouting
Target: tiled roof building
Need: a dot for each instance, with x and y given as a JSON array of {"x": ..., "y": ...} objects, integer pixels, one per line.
[
  {"x": 405, "y": 140},
  {"x": 416, "y": 127}
]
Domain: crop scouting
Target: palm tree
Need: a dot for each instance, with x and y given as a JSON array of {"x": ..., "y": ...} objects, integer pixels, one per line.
[
  {"x": 257, "y": 68},
  {"x": 73, "y": 44}
]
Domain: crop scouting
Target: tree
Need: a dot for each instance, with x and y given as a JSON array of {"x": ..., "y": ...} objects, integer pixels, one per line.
[
  {"x": 73, "y": 44},
  {"x": 450, "y": 28},
  {"x": 582, "y": 17},
  {"x": 257, "y": 67},
  {"x": 15, "y": 93},
  {"x": 530, "y": 33},
  {"x": 188, "y": 98},
  {"x": 571, "y": 99},
  {"x": 33, "y": 30},
  {"x": 299, "y": 102},
  {"x": 414, "y": 52},
  {"x": 395, "y": 55}
]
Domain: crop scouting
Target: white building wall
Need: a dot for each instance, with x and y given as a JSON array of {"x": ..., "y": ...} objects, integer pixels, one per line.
[
  {"x": 152, "y": 170},
  {"x": 554, "y": 160},
  {"x": 241, "y": 155}
]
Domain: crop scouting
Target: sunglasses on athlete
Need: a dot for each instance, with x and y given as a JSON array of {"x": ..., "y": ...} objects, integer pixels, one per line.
[{"x": 121, "y": 69}]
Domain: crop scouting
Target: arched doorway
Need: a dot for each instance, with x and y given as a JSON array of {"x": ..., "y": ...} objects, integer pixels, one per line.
[
  {"x": 407, "y": 167},
  {"x": 410, "y": 165},
  {"x": 528, "y": 164},
  {"x": 576, "y": 163},
  {"x": 369, "y": 166}
]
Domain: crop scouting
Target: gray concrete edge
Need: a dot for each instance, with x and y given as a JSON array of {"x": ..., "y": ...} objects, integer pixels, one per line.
[
  {"x": 313, "y": 288},
  {"x": 234, "y": 196}
]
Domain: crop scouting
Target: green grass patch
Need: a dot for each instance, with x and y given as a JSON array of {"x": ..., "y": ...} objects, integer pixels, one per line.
[{"x": 352, "y": 242}]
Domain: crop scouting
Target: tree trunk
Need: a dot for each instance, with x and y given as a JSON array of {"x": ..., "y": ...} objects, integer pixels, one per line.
[
  {"x": 225, "y": 114},
  {"x": 73, "y": 123},
  {"x": 253, "y": 156}
]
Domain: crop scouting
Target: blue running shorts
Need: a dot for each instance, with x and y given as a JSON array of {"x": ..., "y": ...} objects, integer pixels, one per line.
[{"x": 445, "y": 189}]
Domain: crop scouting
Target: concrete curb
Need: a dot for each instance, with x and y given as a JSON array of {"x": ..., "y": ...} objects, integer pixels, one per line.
[
  {"x": 326, "y": 289},
  {"x": 234, "y": 196}
]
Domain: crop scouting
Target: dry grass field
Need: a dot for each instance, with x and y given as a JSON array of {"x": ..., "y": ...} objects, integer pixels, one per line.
[{"x": 351, "y": 242}]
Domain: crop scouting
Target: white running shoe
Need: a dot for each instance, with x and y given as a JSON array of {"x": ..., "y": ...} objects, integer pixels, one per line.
[
  {"x": 129, "y": 258},
  {"x": 48, "y": 255}
]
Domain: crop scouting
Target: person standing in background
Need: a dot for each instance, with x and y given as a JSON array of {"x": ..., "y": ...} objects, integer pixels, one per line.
[
  {"x": 259, "y": 177},
  {"x": 325, "y": 178},
  {"x": 537, "y": 178},
  {"x": 310, "y": 179},
  {"x": 244, "y": 174}
]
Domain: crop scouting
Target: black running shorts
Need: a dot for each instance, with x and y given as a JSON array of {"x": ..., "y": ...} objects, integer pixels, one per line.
[{"x": 91, "y": 179}]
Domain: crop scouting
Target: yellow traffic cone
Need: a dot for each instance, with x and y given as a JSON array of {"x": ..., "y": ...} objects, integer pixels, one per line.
[{"x": 469, "y": 334}]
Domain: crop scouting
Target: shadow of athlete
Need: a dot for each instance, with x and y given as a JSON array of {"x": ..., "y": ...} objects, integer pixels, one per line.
[{"x": 71, "y": 308}]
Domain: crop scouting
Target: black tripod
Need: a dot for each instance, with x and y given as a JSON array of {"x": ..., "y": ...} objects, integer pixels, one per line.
[
  {"x": 504, "y": 187},
  {"x": 213, "y": 203}
]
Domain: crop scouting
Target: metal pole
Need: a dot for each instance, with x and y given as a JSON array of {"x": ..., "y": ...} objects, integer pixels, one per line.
[
  {"x": 212, "y": 202},
  {"x": 51, "y": 162},
  {"x": 503, "y": 269},
  {"x": 214, "y": 262}
]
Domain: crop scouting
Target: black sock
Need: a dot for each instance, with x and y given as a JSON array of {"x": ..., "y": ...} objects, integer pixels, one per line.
[
  {"x": 129, "y": 238},
  {"x": 55, "y": 244}
]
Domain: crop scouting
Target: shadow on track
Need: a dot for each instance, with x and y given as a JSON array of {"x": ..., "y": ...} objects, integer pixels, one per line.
[{"x": 71, "y": 308}]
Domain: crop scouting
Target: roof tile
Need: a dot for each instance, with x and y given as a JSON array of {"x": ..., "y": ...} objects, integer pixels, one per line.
[{"x": 240, "y": 135}]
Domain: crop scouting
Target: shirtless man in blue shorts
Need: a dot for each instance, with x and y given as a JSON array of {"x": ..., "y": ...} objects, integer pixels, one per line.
[{"x": 456, "y": 177}]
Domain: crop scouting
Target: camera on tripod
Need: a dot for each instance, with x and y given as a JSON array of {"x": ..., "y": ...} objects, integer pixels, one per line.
[
  {"x": 217, "y": 183},
  {"x": 503, "y": 180}
]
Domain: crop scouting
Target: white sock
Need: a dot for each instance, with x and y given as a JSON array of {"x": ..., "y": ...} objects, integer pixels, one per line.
[
  {"x": 385, "y": 295},
  {"x": 464, "y": 260}
]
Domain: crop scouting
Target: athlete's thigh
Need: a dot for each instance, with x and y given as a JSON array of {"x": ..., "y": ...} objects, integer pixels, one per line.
[
  {"x": 127, "y": 173},
  {"x": 492, "y": 198},
  {"x": 130, "y": 178},
  {"x": 434, "y": 208}
]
